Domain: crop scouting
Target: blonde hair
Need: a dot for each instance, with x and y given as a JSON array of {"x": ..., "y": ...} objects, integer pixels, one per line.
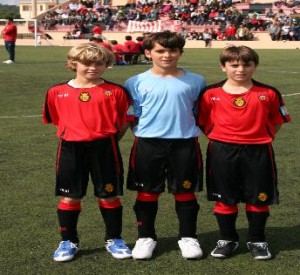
[{"x": 88, "y": 53}]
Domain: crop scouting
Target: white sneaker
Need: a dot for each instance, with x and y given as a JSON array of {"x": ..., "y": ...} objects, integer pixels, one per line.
[
  {"x": 8, "y": 62},
  {"x": 190, "y": 248},
  {"x": 143, "y": 248}
]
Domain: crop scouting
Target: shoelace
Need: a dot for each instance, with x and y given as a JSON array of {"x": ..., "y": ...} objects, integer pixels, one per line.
[
  {"x": 260, "y": 247},
  {"x": 222, "y": 243}
]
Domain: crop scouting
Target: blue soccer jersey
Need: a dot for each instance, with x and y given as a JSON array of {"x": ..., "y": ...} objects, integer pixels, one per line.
[{"x": 165, "y": 106}]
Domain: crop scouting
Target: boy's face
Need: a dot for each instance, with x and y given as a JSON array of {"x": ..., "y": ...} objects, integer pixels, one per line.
[
  {"x": 90, "y": 71},
  {"x": 164, "y": 58},
  {"x": 239, "y": 71}
]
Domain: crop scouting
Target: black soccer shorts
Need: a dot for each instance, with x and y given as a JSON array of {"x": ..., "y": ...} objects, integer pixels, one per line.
[
  {"x": 154, "y": 160},
  {"x": 100, "y": 159},
  {"x": 241, "y": 173}
]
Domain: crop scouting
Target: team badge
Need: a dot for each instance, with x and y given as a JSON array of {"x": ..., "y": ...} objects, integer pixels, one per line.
[
  {"x": 84, "y": 97},
  {"x": 262, "y": 97},
  {"x": 109, "y": 187},
  {"x": 187, "y": 184},
  {"x": 108, "y": 93},
  {"x": 239, "y": 102},
  {"x": 262, "y": 196}
]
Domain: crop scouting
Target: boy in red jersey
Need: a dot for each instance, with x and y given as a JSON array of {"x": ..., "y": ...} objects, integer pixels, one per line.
[
  {"x": 240, "y": 116},
  {"x": 90, "y": 114}
]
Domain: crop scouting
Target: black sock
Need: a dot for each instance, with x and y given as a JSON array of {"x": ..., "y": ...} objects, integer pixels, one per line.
[
  {"x": 68, "y": 220},
  {"x": 187, "y": 213},
  {"x": 145, "y": 216},
  {"x": 257, "y": 222},
  {"x": 227, "y": 227},
  {"x": 113, "y": 222}
]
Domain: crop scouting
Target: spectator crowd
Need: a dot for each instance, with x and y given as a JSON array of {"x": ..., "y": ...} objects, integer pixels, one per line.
[{"x": 217, "y": 19}]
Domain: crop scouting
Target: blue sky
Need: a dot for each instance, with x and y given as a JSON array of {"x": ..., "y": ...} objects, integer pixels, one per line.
[{"x": 10, "y": 2}]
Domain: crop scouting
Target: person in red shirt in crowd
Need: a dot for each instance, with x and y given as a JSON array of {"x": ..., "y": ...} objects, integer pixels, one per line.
[
  {"x": 119, "y": 50},
  {"x": 241, "y": 116},
  {"x": 230, "y": 32},
  {"x": 97, "y": 31},
  {"x": 90, "y": 114},
  {"x": 9, "y": 34},
  {"x": 129, "y": 43},
  {"x": 102, "y": 43}
]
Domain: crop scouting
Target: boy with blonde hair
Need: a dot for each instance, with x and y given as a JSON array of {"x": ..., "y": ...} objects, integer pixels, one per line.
[{"x": 91, "y": 115}]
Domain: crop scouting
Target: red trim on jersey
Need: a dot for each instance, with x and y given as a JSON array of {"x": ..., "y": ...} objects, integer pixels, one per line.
[
  {"x": 199, "y": 155},
  {"x": 248, "y": 118},
  {"x": 144, "y": 196},
  {"x": 257, "y": 208},
  {"x": 226, "y": 209},
  {"x": 272, "y": 161},
  {"x": 110, "y": 204},
  {"x": 69, "y": 206},
  {"x": 133, "y": 153},
  {"x": 114, "y": 147},
  {"x": 185, "y": 197}
]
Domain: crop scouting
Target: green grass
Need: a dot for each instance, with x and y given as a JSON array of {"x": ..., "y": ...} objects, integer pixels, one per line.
[{"x": 29, "y": 229}]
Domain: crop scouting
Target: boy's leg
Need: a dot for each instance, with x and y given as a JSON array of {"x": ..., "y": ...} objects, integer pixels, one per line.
[
  {"x": 145, "y": 209},
  {"x": 111, "y": 210},
  {"x": 68, "y": 212},
  {"x": 226, "y": 216},
  {"x": 187, "y": 209},
  {"x": 256, "y": 242}
]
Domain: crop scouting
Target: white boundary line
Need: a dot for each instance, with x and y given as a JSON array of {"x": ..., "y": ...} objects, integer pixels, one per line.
[{"x": 33, "y": 116}]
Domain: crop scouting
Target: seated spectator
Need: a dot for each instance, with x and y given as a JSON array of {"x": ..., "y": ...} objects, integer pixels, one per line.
[
  {"x": 167, "y": 7},
  {"x": 242, "y": 33},
  {"x": 285, "y": 32},
  {"x": 73, "y": 6},
  {"x": 274, "y": 30},
  {"x": 193, "y": 35},
  {"x": 230, "y": 32}
]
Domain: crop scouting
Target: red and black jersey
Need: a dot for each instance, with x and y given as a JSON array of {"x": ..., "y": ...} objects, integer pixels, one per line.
[
  {"x": 248, "y": 118},
  {"x": 86, "y": 114}
]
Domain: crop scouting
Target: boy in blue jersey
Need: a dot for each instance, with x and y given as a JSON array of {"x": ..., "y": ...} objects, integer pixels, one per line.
[{"x": 166, "y": 144}]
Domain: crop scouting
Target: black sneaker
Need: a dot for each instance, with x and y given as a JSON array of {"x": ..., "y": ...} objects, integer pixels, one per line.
[
  {"x": 259, "y": 250},
  {"x": 224, "y": 249}
]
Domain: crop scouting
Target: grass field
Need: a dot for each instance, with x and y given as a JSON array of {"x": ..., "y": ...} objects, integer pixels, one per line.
[{"x": 29, "y": 229}]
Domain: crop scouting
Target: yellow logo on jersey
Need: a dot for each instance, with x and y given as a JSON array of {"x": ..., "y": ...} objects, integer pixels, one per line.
[
  {"x": 262, "y": 196},
  {"x": 239, "y": 102},
  {"x": 109, "y": 187},
  {"x": 187, "y": 184},
  {"x": 108, "y": 93},
  {"x": 84, "y": 97}
]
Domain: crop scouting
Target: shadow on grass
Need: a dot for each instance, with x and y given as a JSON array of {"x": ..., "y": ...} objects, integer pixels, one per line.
[{"x": 279, "y": 239}]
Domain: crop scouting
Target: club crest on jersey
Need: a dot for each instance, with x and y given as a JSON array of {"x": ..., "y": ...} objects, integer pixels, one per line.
[
  {"x": 239, "y": 102},
  {"x": 108, "y": 93},
  {"x": 262, "y": 196},
  {"x": 187, "y": 184},
  {"x": 109, "y": 187},
  {"x": 84, "y": 97},
  {"x": 262, "y": 97}
]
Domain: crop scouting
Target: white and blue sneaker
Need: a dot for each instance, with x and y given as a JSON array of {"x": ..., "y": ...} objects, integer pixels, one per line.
[
  {"x": 65, "y": 252},
  {"x": 118, "y": 249}
]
